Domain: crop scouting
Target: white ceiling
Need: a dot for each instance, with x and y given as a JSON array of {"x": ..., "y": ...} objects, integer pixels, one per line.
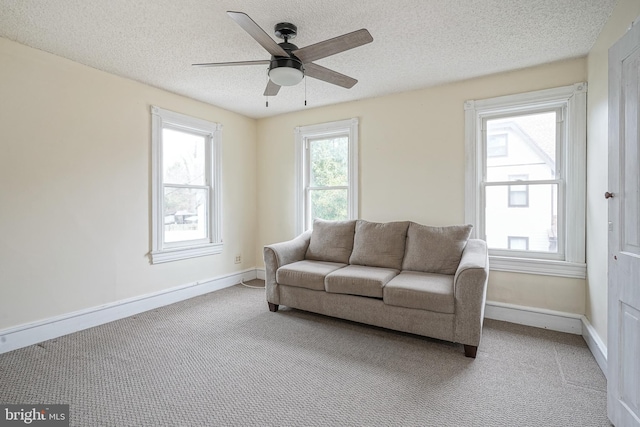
[{"x": 417, "y": 43}]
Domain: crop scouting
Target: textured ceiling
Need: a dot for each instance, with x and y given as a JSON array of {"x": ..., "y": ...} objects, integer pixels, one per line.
[{"x": 417, "y": 43}]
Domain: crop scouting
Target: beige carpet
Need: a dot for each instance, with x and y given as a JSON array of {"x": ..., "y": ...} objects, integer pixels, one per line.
[{"x": 224, "y": 359}]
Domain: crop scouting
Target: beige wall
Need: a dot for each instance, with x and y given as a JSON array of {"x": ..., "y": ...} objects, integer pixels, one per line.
[
  {"x": 412, "y": 165},
  {"x": 74, "y": 188},
  {"x": 624, "y": 14}
]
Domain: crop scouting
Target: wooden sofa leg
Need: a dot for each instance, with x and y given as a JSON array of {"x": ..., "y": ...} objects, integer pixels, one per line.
[
  {"x": 274, "y": 307},
  {"x": 470, "y": 350}
]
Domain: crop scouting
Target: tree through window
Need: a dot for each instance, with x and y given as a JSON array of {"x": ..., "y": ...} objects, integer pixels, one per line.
[{"x": 327, "y": 172}]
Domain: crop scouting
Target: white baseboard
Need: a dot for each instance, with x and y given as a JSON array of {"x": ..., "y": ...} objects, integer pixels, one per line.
[
  {"x": 261, "y": 273},
  {"x": 597, "y": 347},
  {"x": 33, "y": 333},
  {"x": 537, "y": 317}
]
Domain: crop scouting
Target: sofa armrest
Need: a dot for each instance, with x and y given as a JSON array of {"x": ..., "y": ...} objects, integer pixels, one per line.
[
  {"x": 470, "y": 291},
  {"x": 279, "y": 254}
]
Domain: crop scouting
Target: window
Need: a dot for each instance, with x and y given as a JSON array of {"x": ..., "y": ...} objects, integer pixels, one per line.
[
  {"x": 497, "y": 145},
  {"x": 518, "y": 243},
  {"x": 186, "y": 190},
  {"x": 518, "y": 194},
  {"x": 537, "y": 225},
  {"x": 326, "y": 172}
]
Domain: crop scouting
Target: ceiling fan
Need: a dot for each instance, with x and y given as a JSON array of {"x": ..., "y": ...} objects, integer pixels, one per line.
[{"x": 289, "y": 64}]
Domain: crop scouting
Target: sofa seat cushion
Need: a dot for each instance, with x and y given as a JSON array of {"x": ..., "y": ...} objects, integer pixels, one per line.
[
  {"x": 306, "y": 274},
  {"x": 359, "y": 280},
  {"x": 379, "y": 244},
  {"x": 425, "y": 291},
  {"x": 331, "y": 241}
]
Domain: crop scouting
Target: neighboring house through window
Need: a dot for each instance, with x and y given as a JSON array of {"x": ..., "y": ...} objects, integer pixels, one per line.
[
  {"x": 186, "y": 190},
  {"x": 326, "y": 172},
  {"x": 538, "y": 140}
]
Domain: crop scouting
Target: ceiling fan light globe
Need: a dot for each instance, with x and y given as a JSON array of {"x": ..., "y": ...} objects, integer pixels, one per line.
[{"x": 286, "y": 76}]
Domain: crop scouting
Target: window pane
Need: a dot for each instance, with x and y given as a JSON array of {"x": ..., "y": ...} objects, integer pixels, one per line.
[
  {"x": 183, "y": 158},
  {"x": 536, "y": 222},
  {"x": 531, "y": 146},
  {"x": 185, "y": 214},
  {"x": 329, "y": 162},
  {"x": 329, "y": 204}
]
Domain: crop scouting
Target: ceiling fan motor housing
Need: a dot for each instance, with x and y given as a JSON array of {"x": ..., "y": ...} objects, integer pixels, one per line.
[{"x": 290, "y": 70}]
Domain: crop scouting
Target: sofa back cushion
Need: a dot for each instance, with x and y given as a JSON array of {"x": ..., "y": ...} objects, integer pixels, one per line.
[
  {"x": 435, "y": 249},
  {"x": 331, "y": 241},
  {"x": 379, "y": 244}
]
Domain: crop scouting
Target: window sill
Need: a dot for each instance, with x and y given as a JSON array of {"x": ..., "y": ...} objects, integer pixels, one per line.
[
  {"x": 538, "y": 266},
  {"x": 176, "y": 254}
]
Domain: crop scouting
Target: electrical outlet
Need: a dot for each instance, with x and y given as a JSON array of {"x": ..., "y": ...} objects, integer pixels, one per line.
[{"x": 238, "y": 259}]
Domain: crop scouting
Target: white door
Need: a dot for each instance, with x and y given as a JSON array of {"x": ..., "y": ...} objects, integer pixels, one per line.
[{"x": 624, "y": 232}]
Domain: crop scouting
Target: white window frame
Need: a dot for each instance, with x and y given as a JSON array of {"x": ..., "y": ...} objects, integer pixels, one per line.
[
  {"x": 572, "y": 170},
  {"x": 212, "y": 244},
  {"x": 324, "y": 130}
]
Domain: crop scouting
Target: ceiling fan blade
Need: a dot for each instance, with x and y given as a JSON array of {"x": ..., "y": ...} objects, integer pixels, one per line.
[
  {"x": 257, "y": 33},
  {"x": 272, "y": 89},
  {"x": 332, "y": 46},
  {"x": 321, "y": 73},
  {"x": 229, "y": 64}
]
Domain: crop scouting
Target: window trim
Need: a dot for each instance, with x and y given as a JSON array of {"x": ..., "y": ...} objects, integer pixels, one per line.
[
  {"x": 572, "y": 166},
  {"x": 212, "y": 244},
  {"x": 304, "y": 133}
]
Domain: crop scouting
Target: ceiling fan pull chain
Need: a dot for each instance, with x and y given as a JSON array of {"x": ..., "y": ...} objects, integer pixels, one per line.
[{"x": 305, "y": 92}]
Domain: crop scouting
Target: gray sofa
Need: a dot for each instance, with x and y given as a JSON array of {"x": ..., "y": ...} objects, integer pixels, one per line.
[{"x": 430, "y": 281}]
